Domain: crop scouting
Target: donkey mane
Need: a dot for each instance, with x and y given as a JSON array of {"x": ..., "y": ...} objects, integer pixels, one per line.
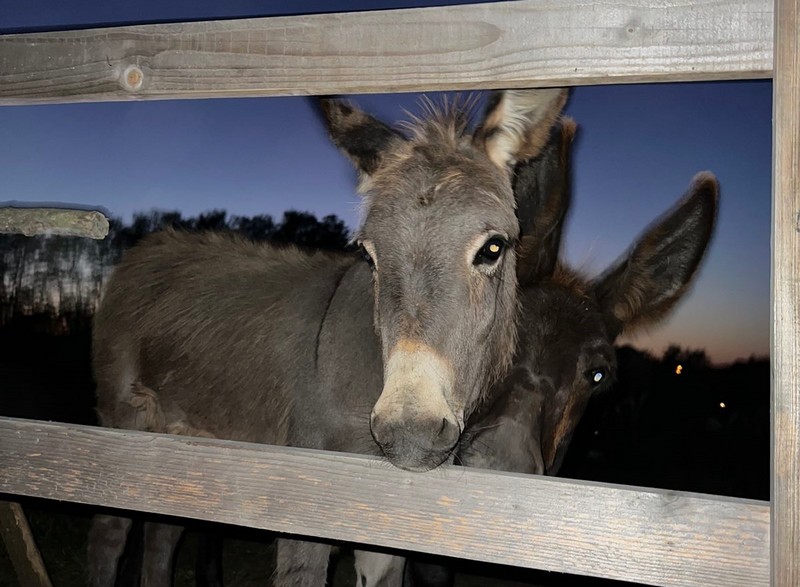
[
  {"x": 446, "y": 122},
  {"x": 444, "y": 129},
  {"x": 215, "y": 246}
]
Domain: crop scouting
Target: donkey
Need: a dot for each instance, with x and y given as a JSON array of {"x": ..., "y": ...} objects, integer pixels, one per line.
[
  {"x": 568, "y": 326},
  {"x": 565, "y": 353},
  {"x": 261, "y": 344},
  {"x": 541, "y": 217}
]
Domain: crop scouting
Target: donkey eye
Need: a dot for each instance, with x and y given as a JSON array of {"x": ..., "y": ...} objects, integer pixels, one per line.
[
  {"x": 367, "y": 257},
  {"x": 596, "y": 376},
  {"x": 490, "y": 252}
]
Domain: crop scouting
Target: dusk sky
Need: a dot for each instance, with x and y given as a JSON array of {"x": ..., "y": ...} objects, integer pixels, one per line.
[{"x": 638, "y": 148}]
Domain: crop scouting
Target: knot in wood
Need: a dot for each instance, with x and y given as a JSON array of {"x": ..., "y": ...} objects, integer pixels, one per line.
[{"x": 132, "y": 78}]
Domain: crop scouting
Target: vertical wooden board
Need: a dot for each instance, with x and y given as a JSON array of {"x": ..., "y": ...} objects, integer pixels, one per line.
[{"x": 785, "y": 297}]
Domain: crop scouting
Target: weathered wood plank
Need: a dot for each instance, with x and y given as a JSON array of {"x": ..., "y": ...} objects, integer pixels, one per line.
[
  {"x": 21, "y": 546},
  {"x": 785, "y": 297},
  {"x": 55, "y": 221},
  {"x": 651, "y": 536},
  {"x": 499, "y": 45}
]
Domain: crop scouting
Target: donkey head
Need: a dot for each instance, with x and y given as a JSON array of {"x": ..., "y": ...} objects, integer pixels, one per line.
[
  {"x": 569, "y": 324},
  {"x": 439, "y": 231}
]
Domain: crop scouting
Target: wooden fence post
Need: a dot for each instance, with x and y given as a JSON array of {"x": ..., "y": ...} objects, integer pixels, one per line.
[
  {"x": 21, "y": 546},
  {"x": 785, "y": 297}
]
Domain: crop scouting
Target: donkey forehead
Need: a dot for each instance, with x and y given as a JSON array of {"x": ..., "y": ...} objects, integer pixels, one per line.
[
  {"x": 447, "y": 227},
  {"x": 452, "y": 215},
  {"x": 434, "y": 183},
  {"x": 559, "y": 326},
  {"x": 561, "y": 310}
]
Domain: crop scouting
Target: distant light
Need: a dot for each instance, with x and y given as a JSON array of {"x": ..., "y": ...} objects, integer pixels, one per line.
[
  {"x": 678, "y": 369},
  {"x": 722, "y": 405}
]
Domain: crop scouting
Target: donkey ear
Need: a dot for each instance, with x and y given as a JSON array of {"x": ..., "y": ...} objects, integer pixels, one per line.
[
  {"x": 362, "y": 138},
  {"x": 644, "y": 285},
  {"x": 543, "y": 193},
  {"x": 517, "y": 123}
]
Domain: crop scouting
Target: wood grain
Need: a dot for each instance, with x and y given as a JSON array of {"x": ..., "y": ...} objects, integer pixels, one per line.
[
  {"x": 498, "y": 45},
  {"x": 53, "y": 221},
  {"x": 650, "y": 536},
  {"x": 21, "y": 546},
  {"x": 785, "y": 297}
]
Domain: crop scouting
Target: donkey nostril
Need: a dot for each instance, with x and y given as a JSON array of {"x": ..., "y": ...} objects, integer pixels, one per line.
[
  {"x": 374, "y": 422},
  {"x": 447, "y": 435}
]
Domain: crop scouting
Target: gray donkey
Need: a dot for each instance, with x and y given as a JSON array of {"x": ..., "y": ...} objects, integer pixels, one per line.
[
  {"x": 567, "y": 330},
  {"x": 568, "y": 326},
  {"x": 210, "y": 334}
]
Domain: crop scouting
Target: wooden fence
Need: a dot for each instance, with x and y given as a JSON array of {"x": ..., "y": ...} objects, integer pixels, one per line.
[{"x": 651, "y": 536}]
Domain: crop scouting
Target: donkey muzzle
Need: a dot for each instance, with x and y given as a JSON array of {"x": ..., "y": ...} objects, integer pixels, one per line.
[{"x": 412, "y": 421}]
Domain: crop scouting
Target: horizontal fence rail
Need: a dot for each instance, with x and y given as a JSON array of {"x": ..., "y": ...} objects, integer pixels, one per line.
[
  {"x": 651, "y": 536},
  {"x": 498, "y": 45},
  {"x": 37, "y": 221}
]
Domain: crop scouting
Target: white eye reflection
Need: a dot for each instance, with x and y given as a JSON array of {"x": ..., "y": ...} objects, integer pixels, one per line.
[{"x": 596, "y": 376}]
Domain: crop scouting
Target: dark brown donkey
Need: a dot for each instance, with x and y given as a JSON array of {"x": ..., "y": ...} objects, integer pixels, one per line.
[
  {"x": 566, "y": 334},
  {"x": 250, "y": 342}
]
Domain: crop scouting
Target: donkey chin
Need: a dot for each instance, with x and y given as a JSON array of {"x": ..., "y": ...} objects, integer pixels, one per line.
[{"x": 412, "y": 421}]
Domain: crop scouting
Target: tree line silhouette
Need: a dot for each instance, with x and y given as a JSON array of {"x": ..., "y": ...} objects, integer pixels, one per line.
[
  {"x": 56, "y": 281},
  {"x": 674, "y": 421},
  {"x": 679, "y": 422}
]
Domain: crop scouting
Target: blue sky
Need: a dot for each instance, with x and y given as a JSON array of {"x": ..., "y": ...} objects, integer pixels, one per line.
[{"x": 638, "y": 148}]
